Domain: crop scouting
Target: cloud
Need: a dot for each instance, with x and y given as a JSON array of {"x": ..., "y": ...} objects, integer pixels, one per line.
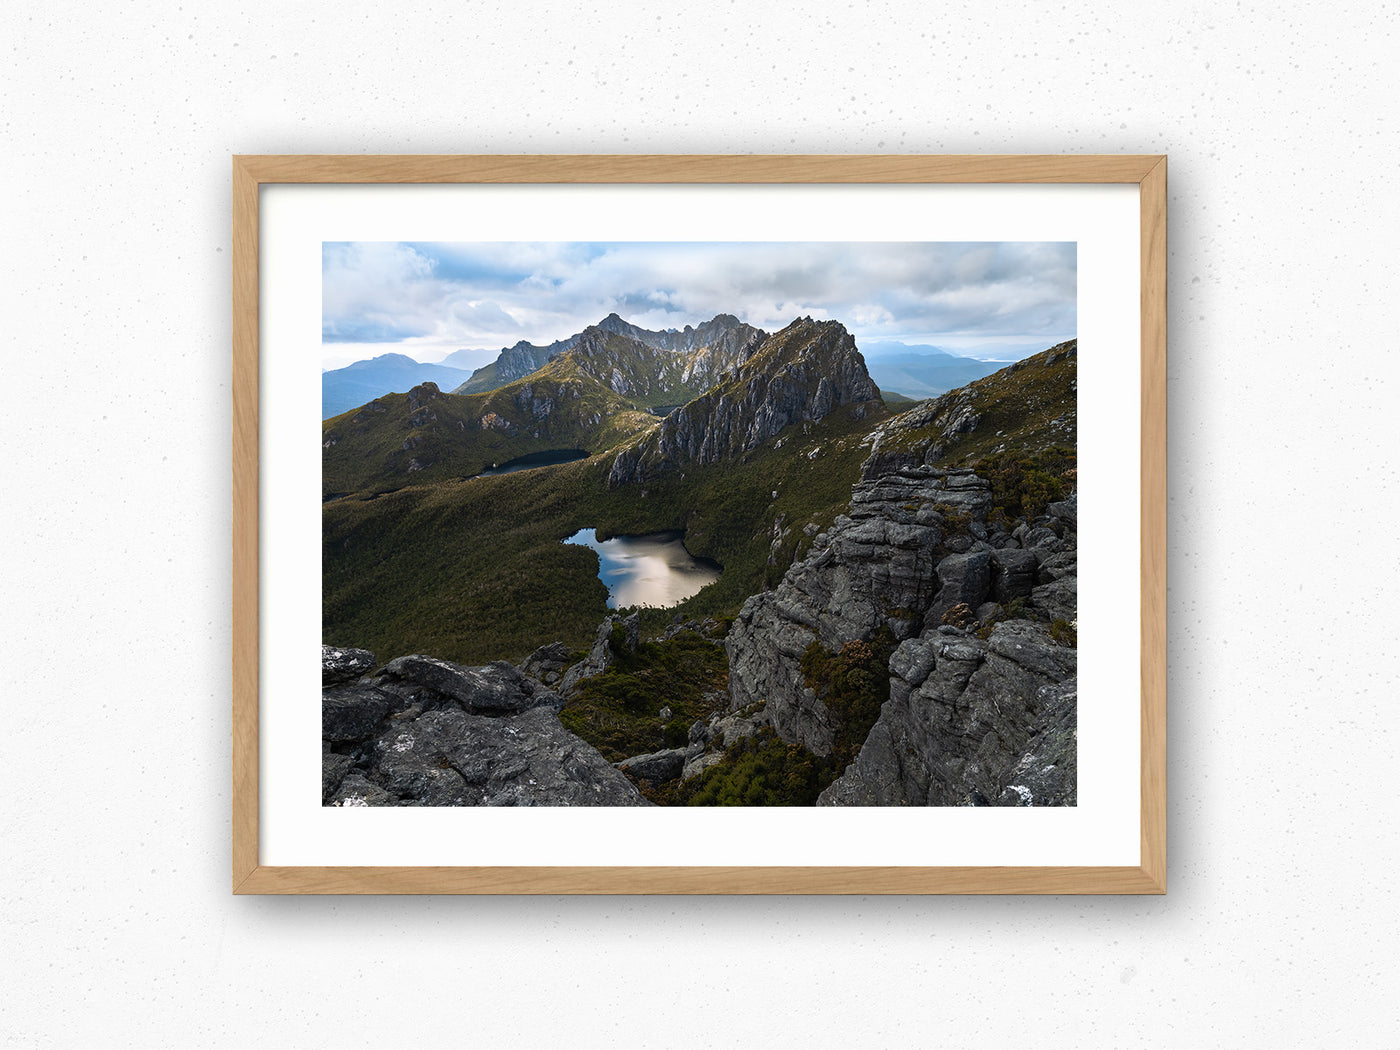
[{"x": 493, "y": 294}]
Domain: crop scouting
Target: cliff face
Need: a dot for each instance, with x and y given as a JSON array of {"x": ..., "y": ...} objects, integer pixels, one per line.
[
  {"x": 653, "y": 376},
  {"x": 800, "y": 373},
  {"x": 981, "y": 706},
  {"x": 723, "y": 337}
]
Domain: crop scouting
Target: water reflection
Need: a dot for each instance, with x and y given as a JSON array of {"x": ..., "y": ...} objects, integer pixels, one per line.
[{"x": 654, "y": 569}]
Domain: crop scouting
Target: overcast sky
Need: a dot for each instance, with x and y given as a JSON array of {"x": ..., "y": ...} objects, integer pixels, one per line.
[{"x": 994, "y": 300}]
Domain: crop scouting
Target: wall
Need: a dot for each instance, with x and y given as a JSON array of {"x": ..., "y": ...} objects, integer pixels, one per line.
[{"x": 1280, "y": 924}]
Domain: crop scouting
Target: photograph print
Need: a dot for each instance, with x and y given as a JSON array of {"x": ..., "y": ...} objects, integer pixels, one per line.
[{"x": 699, "y": 524}]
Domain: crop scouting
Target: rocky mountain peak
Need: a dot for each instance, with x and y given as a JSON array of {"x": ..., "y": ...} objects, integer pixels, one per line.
[{"x": 802, "y": 373}]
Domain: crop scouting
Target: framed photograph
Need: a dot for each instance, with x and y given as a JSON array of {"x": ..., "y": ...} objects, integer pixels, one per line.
[{"x": 699, "y": 524}]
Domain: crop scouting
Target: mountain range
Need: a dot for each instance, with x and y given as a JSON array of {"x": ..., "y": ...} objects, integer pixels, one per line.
[{"x": 913, "y": 371}]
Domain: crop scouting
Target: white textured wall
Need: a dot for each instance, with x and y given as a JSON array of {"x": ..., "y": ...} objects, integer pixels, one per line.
[{"x": 116, "y": 124}]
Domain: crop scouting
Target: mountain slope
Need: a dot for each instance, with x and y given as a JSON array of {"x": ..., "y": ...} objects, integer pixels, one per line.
[
  {"x": 798, "y": 374},
  {"x": 714, "y": 346},
  {"x": 345, "y": 388},
  {"x": 1028, "y": 407},
  {"x": 426, "y": 435}
]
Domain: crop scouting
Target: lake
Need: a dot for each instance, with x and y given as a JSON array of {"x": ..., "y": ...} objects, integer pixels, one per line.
[
  {"x": 654, "y": 569},
  {"x": 535, "y": 459}
]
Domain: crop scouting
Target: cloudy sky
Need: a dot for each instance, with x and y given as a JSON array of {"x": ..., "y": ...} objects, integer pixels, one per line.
[{"x": 998, "y": 301}]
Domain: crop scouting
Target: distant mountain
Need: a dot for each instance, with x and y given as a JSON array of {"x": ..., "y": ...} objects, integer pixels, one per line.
[
  {"x": 466, "y": 359},
  {"x": 714, "y": 342},
  {"x": 920, "y": 371},
  {"x": 345, "y": 388}
]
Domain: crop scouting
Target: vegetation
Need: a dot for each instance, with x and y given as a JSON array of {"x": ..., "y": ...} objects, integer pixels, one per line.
[
  {"x": 399, "y": 439},
  {"x": 1065, "y": 632},
  {"x": 1023, "y": 483},
  {"x": 618, "y": 711},
  {"x": 853, "y": 684},
  {"x": 474, "y": 570},
  {"x": 759, "y": 770},
  {"x": 1026, "y": 407}
]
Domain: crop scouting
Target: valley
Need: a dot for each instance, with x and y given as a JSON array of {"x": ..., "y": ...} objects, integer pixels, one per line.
[{"x": 881, "y": 565}]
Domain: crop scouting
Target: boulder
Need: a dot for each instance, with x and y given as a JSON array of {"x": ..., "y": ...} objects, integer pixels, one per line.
[
  {"x": 1013, "y": 574},
  {"x": 455, "y": 758},
  {"x": 497, "y": 688},
  {"x": 351, "y": 712},
  {"x": 547, "y": 663},
  {"x": 964, "y": 579},
  {"x": 344, "y": 665},
  {"x": 1058, "y": 599},
  {"x": 659, "y": 766}
]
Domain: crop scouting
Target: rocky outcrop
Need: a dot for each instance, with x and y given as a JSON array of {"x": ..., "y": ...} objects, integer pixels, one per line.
[
  {"x": 802, "y": 373},
  {"x": 981, "y": 708},
  {"x": 968, "y": 721},
  {"x": 880, "y": 566},
  {"x": 547, "y": 663},
  {"x": 614, "y": 632},
  {"x": 426, "y": 732}
]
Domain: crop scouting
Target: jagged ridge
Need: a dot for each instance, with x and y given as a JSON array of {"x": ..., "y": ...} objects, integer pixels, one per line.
[{"x": 800, "y": 373}]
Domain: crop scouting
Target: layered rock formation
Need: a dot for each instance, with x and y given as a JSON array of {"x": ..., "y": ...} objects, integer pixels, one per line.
[
  {"x": 970, "y": 722},
  {"x": 425, "y": 732},
  {"x": 981, "y": 707}
]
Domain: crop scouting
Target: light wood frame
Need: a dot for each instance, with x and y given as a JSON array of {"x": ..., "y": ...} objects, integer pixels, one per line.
[{"x": 251, "y": 172}]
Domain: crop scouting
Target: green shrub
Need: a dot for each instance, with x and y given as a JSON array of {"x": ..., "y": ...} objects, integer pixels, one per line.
[
  {"x": 853, "y": 684},
  {"x": 1023, "y": 484},
  {"x": 760, "y": 770}
]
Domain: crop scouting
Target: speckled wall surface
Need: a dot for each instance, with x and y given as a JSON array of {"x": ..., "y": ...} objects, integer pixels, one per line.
[{"x": 1280, "y": 926}]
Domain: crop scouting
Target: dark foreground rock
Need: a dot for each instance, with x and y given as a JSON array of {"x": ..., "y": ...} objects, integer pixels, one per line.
[
  {"x": 344, "y": 665},
  {"x": 426, "y": 732},
  {"x": 969, "y": 722}
]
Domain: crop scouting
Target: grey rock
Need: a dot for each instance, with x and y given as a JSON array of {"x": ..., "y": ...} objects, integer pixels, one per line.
[
  {"x": 961, "y": 737},
  {"x": 547, "y": 663},
  {"x": 351, "y": 712},
  {"x": 344, "y": 665},
  {"x": 334, "y": 767},
  {"x": 698, "y": 764},
  {"x": 602, "y": 656},
  {"x": 450, "y": 757},
  {"x": 1058, "y": 599},
  {"x": 1065, "y": 510},
  {"x": 1047, "y": 772},
  {"x": 1055, "y": 566},
  {"x": 658, "y": 767},
  {"x": 912, "y": 660},
  {"x": 1013, "y": 574},
  {"x": 356, "y": 790},
  {"x": 497, "y": 688},
  {"x": 964, "y": 580}
]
